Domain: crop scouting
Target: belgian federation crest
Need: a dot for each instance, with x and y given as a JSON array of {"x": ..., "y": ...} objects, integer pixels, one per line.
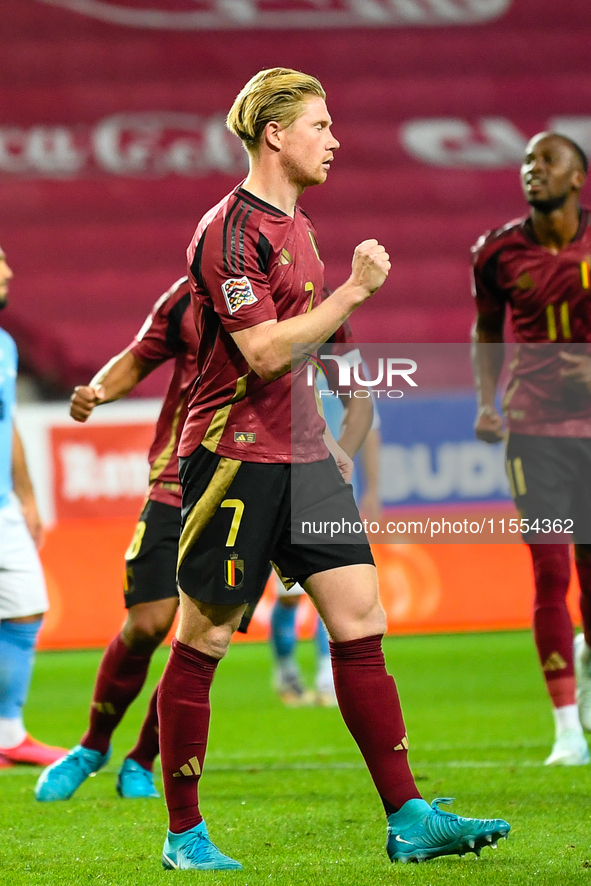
[{"x": 234, "y": 572}]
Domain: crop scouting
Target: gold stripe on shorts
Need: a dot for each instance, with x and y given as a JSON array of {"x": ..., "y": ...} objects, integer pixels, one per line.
[
  {"x": 206, "y": 506},
  {"x": 519, "y": 476},
  {"x": 287, "y": 583}
]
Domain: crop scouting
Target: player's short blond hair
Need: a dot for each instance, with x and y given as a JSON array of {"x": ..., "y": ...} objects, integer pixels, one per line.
[{"x": 274, "y": 94}]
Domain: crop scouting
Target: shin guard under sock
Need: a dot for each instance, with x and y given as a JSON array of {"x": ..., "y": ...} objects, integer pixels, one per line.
[
  {"x": 183, "y": 715},
  {"x": 369, "y": 703},
  {"x": 119, "y": 680}
]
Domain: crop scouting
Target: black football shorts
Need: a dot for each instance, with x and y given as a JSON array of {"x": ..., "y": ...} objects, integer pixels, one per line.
[
  {"x": 237, "y": 517},
  {"x": 150, "y": 560},
  {"x": 550, "y": 479}
]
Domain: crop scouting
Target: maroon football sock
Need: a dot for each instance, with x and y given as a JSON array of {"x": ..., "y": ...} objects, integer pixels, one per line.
[
  {"x": 119, "y": 680},
  {"x": 553, "y": 630},
  {"x": 369, "y": 703},
  {"x": 147, "y": 747},
  {"x": 584, "y": 573},
  {"x": 183, "y": 714}
]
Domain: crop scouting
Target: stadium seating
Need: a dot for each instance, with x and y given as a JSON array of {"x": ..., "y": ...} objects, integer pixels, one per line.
[{"x": 112, "y": 146}]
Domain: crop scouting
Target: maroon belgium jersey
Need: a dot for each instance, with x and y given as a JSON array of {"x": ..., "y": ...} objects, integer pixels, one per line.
[
  {"x": 169, "y": 334},
  {"x": 549, "y": 299},
  {"x": 249, "y": 263}
]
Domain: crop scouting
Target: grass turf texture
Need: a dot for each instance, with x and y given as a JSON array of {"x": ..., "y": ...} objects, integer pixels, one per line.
[{"x": 285, "y": 791}]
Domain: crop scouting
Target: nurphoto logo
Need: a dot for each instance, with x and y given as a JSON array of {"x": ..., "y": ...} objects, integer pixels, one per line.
[{"x": 389, "y": 372}]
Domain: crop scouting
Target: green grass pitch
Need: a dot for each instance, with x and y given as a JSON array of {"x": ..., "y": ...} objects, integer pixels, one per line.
[{"x": 286, "y": 793}]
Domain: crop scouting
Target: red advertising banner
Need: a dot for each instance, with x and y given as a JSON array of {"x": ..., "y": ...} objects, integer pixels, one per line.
[
  {"x": 100, "y": 470},
  {"x": 423, "y": 588},
  {"x": 93, "y": 502}
]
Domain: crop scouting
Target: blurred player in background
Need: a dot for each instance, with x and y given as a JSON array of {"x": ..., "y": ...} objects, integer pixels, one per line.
[
  {"x": 151, "y": 596},
  {"x": 369, "y": 459},
  {"x": 538, "y": 268},
  {"x": 256, "y": 284},
  {"x": 342, "y": 410},
  {"x": 23, "y": 597}
]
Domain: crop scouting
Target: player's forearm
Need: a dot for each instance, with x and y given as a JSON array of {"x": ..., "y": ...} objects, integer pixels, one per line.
[
  {"x": 23, "y": 489},
  {"x": 487, "y": 353},
  {"x": 116, "y": 379},
  {"x": 370, "y": 460},
  {"x": 357, "y": 419},
  {"x": 21, "y": 481},
  {"x": 120, "y": 376},
  {"x": 486, "y": 376},
  {"x": 342, "y": 458},
  {"x": 271, "y": 347}
]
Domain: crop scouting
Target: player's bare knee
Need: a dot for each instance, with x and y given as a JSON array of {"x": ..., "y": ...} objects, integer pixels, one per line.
[
  {"x": 375, "y": 621},
  {"x": 207, "y": 627},
  {"x": 355, "y": 623},
  {"x": 369, "y": 622},
  {"x": 142, "y": 638},
  {"x": 144, "y": 631},
  {"x": 216, "y": 643}
]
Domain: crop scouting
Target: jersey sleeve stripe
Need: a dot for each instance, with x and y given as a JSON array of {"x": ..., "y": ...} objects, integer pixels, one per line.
[
  {"x": 227, "y": 222},
  {"x": 196, "y": 263},
  {"x": 241, "y": 239},
  {"x": 238, "y": 219}
]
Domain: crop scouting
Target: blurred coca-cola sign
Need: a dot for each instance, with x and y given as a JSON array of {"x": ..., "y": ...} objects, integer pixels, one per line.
[
  {"x": 153, "y": 144},
  {"x": 218, "y": 14}
]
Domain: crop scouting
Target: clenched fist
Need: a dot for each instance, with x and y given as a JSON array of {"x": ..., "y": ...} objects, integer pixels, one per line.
[
  {"x": 84, "y": 399},
  {"x": 371, "y": 265},
  {"x": 489, "y": 425}
]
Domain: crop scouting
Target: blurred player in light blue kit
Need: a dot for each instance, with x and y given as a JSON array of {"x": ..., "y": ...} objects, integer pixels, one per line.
[
  {"x": 23, "y": 598},
  {"x": 347, "y": 419}
]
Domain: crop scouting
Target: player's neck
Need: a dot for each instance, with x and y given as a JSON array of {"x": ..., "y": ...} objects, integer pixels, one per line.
[
  {"x": 555, "y": 230},
  {"x": 270, "y": 185}
]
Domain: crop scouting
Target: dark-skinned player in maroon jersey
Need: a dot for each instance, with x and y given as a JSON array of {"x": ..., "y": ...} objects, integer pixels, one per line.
[
  {"x": 256, "y": 284},
  {"x": 151, "y": 596},
  {"x": 537, "y": 268}
]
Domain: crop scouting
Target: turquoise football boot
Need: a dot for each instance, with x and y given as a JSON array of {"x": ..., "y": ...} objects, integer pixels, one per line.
[
  {"x": 135, "y": 781},
  {"x": 62, "y": 778},
  {"x": 418, "y": 832},
  {"x": 194, "y": 850}
]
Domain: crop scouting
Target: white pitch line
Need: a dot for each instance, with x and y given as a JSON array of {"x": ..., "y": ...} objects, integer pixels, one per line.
[{"x": 254, "y": 767}]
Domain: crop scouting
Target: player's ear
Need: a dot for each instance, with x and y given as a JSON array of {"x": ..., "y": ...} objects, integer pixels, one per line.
[
  {"x": 272, "y": 134},
  {"x": 578, "y": 179}
]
